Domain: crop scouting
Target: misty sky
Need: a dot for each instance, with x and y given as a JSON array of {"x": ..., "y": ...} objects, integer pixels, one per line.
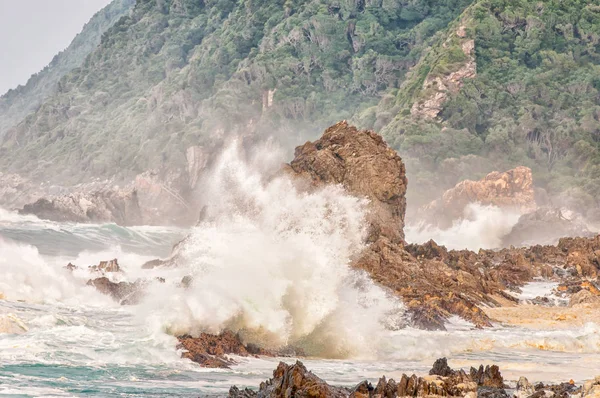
[{"x": 33, "y": 31}]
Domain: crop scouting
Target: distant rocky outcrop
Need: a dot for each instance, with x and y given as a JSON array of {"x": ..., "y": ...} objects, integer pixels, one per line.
[
  {"x": 546, "y": 226},
  {"x": 121, "y": 207},
  {"x": 512, "y": 189},
  {"x": 152, "y": 198}
]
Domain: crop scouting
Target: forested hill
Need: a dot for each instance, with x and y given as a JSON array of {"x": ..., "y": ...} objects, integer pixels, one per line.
[
  {"x": 459, "y": 87},
  {"x": 18, "y": 103},
  {"x": 178, "y": 73},
  {"x": 526, "y": 94}
]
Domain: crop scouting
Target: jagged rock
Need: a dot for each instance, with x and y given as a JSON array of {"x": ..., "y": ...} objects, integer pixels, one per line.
[
  {"x": 487, "y": 377},
  {"x": 545, "y": 226},
  {"x": 434, "y": 283},
  {"x": 441, "y": 368},
  {"x": 365, "y": 166},
  {"x": 294, "y": 381},
  {"x": 235, "y": 392},
  {"x": 71, "y": 267},
  {"x": 125, "y": 293},
  {"x": 105, "y": 266},
  {"x": 209, "y": 350},
  {"x": 512, "y": 189},
  {"x": 562, "y": 390},
  {"x": 490, "y": 392}
]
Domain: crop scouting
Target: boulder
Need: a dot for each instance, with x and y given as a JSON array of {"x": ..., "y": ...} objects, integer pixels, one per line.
[
  {"x": 524, "y": 388},
  {"x": 294, "y": 381}
]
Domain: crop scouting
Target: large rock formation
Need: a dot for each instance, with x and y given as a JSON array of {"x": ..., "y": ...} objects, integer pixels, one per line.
[
  {"x": 512, "y": 189},
  {"x": 435, "y": 283},
  {"x": 363, "y": 164}
]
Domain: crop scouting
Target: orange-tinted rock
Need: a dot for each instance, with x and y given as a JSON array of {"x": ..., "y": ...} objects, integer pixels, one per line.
[
  {"x": 365, "y": 166},
  {"x": 512, "y": 189}
]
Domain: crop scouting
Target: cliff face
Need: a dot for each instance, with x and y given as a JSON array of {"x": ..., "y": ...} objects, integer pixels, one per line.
[{"x": 16, "y": 104}]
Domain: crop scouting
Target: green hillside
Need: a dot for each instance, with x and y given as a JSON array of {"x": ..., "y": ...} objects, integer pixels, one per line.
[
  {"x": 18, "y": 103},
  {"x": 177, "y": 73},
  {"x": 534, "y": 101}
]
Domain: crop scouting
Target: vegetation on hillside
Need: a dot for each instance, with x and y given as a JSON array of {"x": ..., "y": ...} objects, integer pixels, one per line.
[
  {"x": 178, "y": 73},
  {"x": 535, "y": 101},
  {"x": 18, "y": 103}
]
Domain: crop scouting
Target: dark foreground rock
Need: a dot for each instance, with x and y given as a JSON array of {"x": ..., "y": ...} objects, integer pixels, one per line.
[
  {"x": 296, "y": 381},
  {"x": 212, "y": 351},
  {"x": 126, "y": 293}
]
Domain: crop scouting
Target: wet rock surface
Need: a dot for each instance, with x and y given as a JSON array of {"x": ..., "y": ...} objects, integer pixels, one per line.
[
  {"x": 212, "y": 350},
  {"x": 123, "y": 292}
]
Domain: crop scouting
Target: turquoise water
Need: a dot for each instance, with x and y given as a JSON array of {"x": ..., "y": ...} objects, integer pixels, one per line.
[{"x": 76, "y": 342}]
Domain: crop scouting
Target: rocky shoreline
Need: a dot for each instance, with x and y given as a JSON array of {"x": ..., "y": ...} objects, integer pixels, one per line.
[
  {"x": 434, "y": 283},
  {"x": 442, "y": 381}
]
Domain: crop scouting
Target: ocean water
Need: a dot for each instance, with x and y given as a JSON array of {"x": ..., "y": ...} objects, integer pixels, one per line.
[{"x": 268, "y": 262}]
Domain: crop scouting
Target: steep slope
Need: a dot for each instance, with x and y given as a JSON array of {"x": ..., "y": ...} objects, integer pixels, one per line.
[
  {"x": 18, "y": 103},
  {"x": 510, "y": 83},
  {"x": 183, "y": 73}
]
